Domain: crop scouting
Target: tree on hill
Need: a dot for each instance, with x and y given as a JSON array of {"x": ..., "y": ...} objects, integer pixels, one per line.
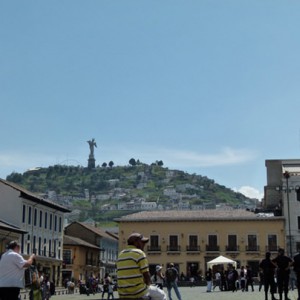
[
  {"x": 160, "y": 163},
  {"x": 111, "y": 163},
  {"x": 132, "y": 162}
]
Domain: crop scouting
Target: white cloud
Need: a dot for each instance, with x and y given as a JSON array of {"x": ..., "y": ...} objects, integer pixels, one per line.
[{"x": 249, "y": 192}]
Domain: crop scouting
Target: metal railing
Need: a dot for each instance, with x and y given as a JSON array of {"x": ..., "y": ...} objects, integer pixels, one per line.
[
  {"x": 193, "y": 248},
  {"x": 232, "y": 248},
  {"x": 173, "y": 248},
  {"x": 253, "y": 248},
  {"x": 154, "y": 248},
  {"x": 212, "y": 248}
]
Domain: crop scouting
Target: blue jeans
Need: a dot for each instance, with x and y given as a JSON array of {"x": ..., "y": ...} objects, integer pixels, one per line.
[{"x": 170, "y": 285}]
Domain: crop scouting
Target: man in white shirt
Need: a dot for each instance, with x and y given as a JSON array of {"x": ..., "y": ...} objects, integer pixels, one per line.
[{"x": 12, "y": 266}]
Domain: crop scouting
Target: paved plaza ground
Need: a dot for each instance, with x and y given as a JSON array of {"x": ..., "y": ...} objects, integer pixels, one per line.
[{"x": 189, "y": 293}]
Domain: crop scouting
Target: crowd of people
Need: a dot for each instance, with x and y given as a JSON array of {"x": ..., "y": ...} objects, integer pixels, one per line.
[
  {"x": 276, "y": 275},
  {"x": 230, "y": 279},
  {"x": 95, "y": 285}
]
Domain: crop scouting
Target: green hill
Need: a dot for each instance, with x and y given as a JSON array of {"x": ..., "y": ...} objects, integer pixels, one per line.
[{"x": 93, "y": 190}]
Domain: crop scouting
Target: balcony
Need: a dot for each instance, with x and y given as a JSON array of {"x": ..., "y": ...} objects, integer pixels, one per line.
[
  {"x": 192, "y": 249},
  {"x": 273, "y": 248},
  {"x": 173, "y": 249},
  {"x": 212, "y": 248},
  {"x": 253, "y": 248},
  {"x": 154, "y": 249},
  {"x": 232, "y": 248}
]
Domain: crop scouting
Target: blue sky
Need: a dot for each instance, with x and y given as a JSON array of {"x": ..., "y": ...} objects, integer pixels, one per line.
[{"x": 208, "y": 87}]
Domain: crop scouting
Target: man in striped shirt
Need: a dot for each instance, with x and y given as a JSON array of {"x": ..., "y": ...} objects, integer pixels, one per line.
[{"x": 133, "y": 271}]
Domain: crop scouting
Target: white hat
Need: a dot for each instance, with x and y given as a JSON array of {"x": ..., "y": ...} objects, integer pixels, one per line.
[{"x": 158, "y": 268}]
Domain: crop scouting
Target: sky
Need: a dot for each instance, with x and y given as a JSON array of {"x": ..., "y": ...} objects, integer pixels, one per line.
[{"x": 209, "y": 87}]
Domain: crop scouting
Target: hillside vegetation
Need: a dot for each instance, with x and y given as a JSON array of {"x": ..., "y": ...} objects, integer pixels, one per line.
[{"x": 110, "y": 186}]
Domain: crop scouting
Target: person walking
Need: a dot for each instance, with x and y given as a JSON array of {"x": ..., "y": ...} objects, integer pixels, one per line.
[
  {"x": 46, "y": 288},
  {"x": 35, "y": 288},
  {"x": 267, "y": 267},
  {"x": 134, "y": 280},
  {"x": 224, "y": 283},
  {"x": 171, "y": 281},
  {"x": 106, "y": 283},
  {"x": 208, "y": 278},
  {"x": 249, "y": 279},
  {"x": 12, "y": 266},
  {"x": 283, "y": 264},
  {"x": 261, "y": 280},
  {"x": 296, "y": 266},
  {"x": 110, "y": 292},
  {"x": 158, "y": 278},
  {"x": 217, "y": 280},
  {"x": 243, "y": 275},
  {"x": 232, "y": 278}
]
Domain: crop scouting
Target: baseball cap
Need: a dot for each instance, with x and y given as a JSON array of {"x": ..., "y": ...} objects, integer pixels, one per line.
[
  {"x": 158, "y": 268},
  {"x": 137, "y": 237}
]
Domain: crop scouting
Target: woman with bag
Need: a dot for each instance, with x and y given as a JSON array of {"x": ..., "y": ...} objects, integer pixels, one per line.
[{"x": 35, "y": 289}]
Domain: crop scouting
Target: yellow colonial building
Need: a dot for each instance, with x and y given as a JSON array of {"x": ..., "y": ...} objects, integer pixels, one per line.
[
  {"x": 80, "y": 260},
  {"x": 190, "y": 239}
]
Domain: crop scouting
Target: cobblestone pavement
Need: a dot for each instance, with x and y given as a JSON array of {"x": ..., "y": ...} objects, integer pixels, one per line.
[{"x": 189, "y": 293}]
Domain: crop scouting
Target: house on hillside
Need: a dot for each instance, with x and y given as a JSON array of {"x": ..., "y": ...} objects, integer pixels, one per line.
[
  {"x": 37, "y": 224},
  {"x": 148, "y": 205},
  {"x": 106, "y": 241}
]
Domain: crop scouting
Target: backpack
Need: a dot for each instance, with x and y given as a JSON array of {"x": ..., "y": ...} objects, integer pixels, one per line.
[{"x": 171, "y": 274}]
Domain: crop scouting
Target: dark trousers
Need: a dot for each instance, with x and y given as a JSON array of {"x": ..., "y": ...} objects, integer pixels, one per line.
[
  {"x": 7, "y": 293},
  {"x": 283, "y": 282},
  {"x": 249, "y": 282},
  {"x": 269, "y": 283}
]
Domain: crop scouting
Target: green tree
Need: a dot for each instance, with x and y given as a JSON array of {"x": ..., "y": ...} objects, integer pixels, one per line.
[
  {"x": 132, "y": 162},
  {"x": 104, "y": 165},
  {"x": 111, "y": 163},
  {"x": 160, "y": 163},
  {"x": 14, "y": 177}
]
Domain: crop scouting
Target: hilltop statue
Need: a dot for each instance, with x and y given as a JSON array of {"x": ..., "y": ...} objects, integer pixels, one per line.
[
  {"x": 91, "y": 160},
  {"x": 92, "y": 145}
]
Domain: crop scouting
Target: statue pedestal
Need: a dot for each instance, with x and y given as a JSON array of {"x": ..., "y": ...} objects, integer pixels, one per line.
[{"x": 91, "y": 162}]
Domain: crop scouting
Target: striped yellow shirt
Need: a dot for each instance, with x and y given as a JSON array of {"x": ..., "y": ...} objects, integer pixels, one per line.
[{"x": 131, "y": 265}]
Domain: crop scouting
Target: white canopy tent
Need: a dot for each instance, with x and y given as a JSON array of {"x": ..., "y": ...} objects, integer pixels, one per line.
[{"x": 220, "y": 260}]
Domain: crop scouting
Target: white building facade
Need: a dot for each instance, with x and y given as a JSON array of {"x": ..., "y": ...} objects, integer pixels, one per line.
[
  {"x": 41, "y": 221},
  {"x": 282, "y": 195}
]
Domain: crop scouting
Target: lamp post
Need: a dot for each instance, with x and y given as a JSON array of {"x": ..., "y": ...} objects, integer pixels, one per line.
[{"x": 286, "y": 175}]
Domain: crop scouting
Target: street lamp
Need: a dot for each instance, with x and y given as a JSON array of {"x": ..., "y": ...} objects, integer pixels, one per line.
[{"x": 286, "y": 175}]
